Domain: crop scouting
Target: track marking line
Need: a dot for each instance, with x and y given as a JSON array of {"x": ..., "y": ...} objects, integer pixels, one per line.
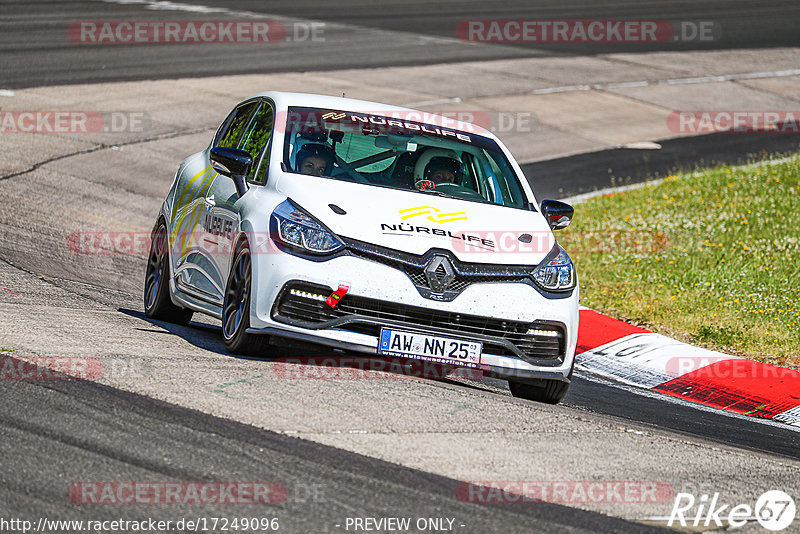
[{"x": 671, "y": 81}]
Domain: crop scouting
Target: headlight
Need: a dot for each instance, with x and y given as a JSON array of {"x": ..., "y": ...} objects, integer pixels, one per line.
[
  {"x": 295, "y": 228},
  {"x": 558, "y": 274}
]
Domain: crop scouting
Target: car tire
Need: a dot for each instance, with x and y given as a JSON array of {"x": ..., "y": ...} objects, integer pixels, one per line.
[
  {"x": 551, "y": 392},
  {"x": 236, "y": 308},
  {"x": 157, "y": 302}
]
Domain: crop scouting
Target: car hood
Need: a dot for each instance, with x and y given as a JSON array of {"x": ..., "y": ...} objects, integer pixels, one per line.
[{"x": 416, "y": 223}]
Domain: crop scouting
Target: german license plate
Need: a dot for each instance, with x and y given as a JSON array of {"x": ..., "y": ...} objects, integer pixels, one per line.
[{"x": 429, "y": 348}]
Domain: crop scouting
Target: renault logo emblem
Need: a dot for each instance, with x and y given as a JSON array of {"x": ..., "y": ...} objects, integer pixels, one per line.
[{"x": 439, "y": 273}]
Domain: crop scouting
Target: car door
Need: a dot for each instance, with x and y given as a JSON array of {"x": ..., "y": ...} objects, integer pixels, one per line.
[
  {"x": 203, "y": 225},
  {"x": 224, "y": 207}
]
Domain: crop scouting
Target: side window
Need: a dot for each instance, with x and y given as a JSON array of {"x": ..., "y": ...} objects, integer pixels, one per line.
[
  {"x": 232, "y": 132},
  {"x": 510, "y": 193},
  {"x": 256, "y": 140}
]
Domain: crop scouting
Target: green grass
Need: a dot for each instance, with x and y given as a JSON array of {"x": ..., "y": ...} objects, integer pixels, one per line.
[{"x": 711, "y": 258}]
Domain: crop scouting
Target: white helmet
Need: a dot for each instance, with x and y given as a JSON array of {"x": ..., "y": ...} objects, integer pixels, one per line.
[{"x": 425, "y": 158}]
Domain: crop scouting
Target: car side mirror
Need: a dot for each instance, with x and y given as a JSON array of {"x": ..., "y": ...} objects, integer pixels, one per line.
[
  {"x": 558, "y": 214},
  {"x": 233, "y": 163}
]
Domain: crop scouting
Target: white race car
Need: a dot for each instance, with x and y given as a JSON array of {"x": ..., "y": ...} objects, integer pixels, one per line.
[{"x": 369, "y": 228}]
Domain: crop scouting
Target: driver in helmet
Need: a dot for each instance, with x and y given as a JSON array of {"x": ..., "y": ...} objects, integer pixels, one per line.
[
  {"x": 443, "y": 170},
  {"x": 315, "y": 160}
]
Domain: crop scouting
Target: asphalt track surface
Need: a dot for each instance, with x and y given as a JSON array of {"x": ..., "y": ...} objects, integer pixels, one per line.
[
  {"x": 80, "y": 430},
  {"x": 585, "y": 173},
  {"x": 57, "y": 432},
  {"x": 36, "y": 50}
]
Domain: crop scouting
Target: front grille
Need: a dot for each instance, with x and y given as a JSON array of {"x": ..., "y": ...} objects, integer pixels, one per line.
[
  {"x": 417, "y": 275},
  {"x": 366, "y": 316},
  {"x": 413, "y": 266}
]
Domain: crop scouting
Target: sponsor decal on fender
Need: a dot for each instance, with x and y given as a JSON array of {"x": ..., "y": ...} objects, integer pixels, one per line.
[{"x": 217, "y": 225}]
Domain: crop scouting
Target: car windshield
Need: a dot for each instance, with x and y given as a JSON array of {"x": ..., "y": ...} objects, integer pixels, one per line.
[{"x": 399, "y": 153}]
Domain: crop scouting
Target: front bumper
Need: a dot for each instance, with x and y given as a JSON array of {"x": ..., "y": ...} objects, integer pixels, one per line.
[{"x": 498, "y": 314}]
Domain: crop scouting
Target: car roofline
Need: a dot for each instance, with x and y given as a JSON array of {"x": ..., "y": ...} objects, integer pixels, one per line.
[{"x": 284, "y": 100}]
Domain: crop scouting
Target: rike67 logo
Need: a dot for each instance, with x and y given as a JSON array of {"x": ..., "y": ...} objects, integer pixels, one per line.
[{"x": 774, "y": 510}]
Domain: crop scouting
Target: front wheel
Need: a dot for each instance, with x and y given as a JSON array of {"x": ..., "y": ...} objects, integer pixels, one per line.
[
  {"x": 157, "y": 301},
  {"x": 550, "y": 392},
  {"x": 236, "y": 308}
]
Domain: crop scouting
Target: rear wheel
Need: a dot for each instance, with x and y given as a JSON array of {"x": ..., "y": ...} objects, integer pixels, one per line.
[
  {"x": 236, "y": 308},
  {"x": 157, "y": 302},
  {"x": 549, "y": 391}
]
